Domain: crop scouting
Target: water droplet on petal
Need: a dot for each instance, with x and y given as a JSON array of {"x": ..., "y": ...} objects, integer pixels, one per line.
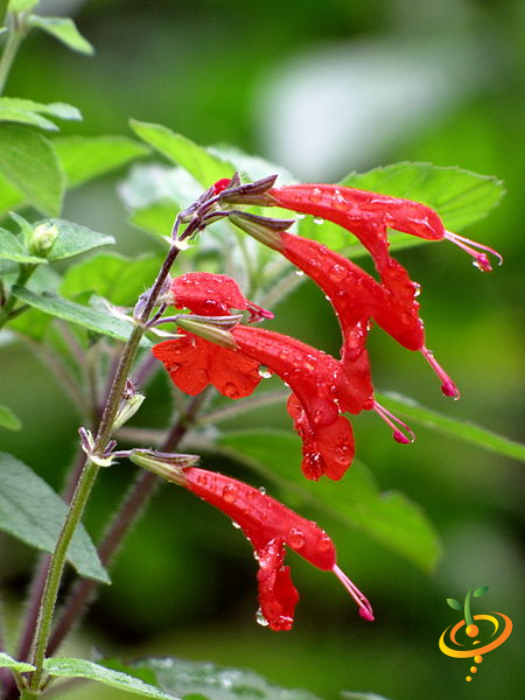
[
  {"x": 236, "y": 525},
  {"x": 318, "y": 220},
  {"x": 262, "y": 490},
  {"x": 229, "y": 492},
  {"x": 296, "y": 538},
  {"x": 299, "y": 273},
  {"x": 316, "y": 195},
  {"x": 300, "y": 216},
  {"x": 231, "y": 391},
  {"x": 337, "y": 273},
  {"x": 260, "y": 619},
  {"x": 264, "y": 372}
]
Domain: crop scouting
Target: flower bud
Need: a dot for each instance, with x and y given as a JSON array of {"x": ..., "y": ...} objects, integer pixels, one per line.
[
  {"x": 42, "y": 238},
  {"x": 169, "y": 466},
  {"x": 212, "y": 328},
  {"x": 127, "y": 409}
]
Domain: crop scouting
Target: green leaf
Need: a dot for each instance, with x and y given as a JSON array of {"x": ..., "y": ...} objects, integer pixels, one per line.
[
  {"x": 11, "y": 248},
  {"x": 480, "y": 591},
  {"x": 252, "y": 167},
  {"x": 189, "y": 678},
  {"x": 90, "y": 318},
  {"x": 462, "y": 430},
  {"x": 15, "y": 109},
  {"x": 7, "y": 661},
  {"x": 84, "y": 158},
  {"x": 65, "y": 30},
  {"x": 81, "y": 668},
  {"x": 205, "y": 167},
  {"x": 10, "y": 196},
  {"x": 119, "y": 279},
  {"x": 29, "y": 162},
  {"x": 8, "y": 419},
  {"x": 389, "y": 517},
  {"x": 32, "y": 512},
  {"x": 22, "y": 5},
  {"x": 454, "y": 604},
  {"x": 73, "y": 239},
  {"x": 460, "y": 197}
]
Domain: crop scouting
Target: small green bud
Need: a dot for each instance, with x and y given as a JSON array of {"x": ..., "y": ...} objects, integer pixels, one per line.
[
  {"x": 212, "y": 328},
  {"x": 129, "y": 406},
  {"x": 42, "y": 239}
]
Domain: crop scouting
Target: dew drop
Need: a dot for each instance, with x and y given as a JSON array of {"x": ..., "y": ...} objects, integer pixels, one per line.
[
  {"x": 318, "y": 220},
  {"x": 260, "y": 619},
  {"x": 299, "y": 273},
  {"x": 264, "y": 372},
  {"x": 262, "y": 490},
  {"x": 316, "y": 195},
  {"x": 229, "y": 492},
  {"x": 337, "y": 273},
  {"x": 300, "y": 216},
  {"x": 296, "y": 538},
  {"x": 236, "y": 525},
  {"x": 231, "y": 391},
  {"x": 174, "y": 366}
]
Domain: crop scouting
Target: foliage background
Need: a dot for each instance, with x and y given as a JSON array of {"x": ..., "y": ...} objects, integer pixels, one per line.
[{"x": 323, "y": 89}]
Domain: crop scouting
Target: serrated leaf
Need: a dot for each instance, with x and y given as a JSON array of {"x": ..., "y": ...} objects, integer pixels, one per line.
[
  {"x": 7, "y": 661},
  {"x": 11, "y": 248},
  {"x": 8, "y": 419},
  {"x": 388, "y": 517},
  {"x": 189, "y": 679},
  {"x": 81, "y": 668},
  {"x": 119, "y": 279},
  {"x": 29, "y": 162},
  {"x": 16, "y": 109},
  {"x": 65, "y": 30},
  {"x": 454, "y": 604},
  {"x": 73, "y": 239},
  {"x": 32, "y": 512},
  {"x": 205, "y": 167},
  {"x": 90, "y": 318},
  {"x": 463, "y": 430},
  {"x": 480, "y": 591},
  {"x": 84, "y": 158}
]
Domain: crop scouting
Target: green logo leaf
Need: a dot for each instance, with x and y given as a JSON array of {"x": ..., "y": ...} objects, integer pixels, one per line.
[
  {"x": 480, "y": 591},
  {"x": 454, "y": 604}
]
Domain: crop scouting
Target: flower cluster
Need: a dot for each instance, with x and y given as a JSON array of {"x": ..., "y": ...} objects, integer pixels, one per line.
[{"x": 214, "y": 348}]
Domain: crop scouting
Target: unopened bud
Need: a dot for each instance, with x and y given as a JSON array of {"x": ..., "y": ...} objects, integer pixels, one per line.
[
  {"x": 216, "y": 329},
  {"x": 251, "y": 193},
  {"x": 262, "y": 228},
  {"x": 169, "y": 466},
  {"x": 129, "y": 405},
  {"x": 42, "y": 238}
]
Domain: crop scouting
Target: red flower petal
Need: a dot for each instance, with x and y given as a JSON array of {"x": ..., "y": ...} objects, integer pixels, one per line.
[
  {"x": 193, "y": 363},
  {"x": 277, "y": 594},
  {"x": 207, "y": 294}
]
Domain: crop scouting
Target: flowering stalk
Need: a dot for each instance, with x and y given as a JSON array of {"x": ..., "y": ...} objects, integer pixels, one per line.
[{"x": 97, "y": 451}]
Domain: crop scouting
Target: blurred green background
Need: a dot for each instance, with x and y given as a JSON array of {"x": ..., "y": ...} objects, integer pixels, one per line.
[{"x": 323, "y": 88}]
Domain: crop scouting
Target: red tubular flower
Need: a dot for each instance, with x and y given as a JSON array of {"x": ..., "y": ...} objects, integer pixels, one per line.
[
  {"x": 368, "y": 215},
  {"x": 194, "y": 363},
  {"x": 271, "y": 527}
]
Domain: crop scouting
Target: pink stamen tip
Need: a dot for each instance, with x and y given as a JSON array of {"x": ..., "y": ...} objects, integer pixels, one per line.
[
  {"x": 397, "y": 425},
  {"x": 472, "y": 248},
  {"x": 448, "y": 387},
  {"x": 257, "y": 313},
  {"x": 365, "y": 609}
]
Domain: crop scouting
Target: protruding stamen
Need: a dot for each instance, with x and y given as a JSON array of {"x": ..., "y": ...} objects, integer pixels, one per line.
[
  {"x": 257, "y": 313},
  {"x": 397, "y": 425},
  {"x": 448, "y": 387},
  {"x": 365, "y": 609},
  {"x": 472, "y": 248}
]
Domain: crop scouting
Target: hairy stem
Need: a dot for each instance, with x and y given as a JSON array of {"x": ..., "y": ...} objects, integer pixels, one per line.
[
  {"x": 130, "y": 511},
  {"x": 6, "y": 312},
  {"x": 88, "y": 477}
]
